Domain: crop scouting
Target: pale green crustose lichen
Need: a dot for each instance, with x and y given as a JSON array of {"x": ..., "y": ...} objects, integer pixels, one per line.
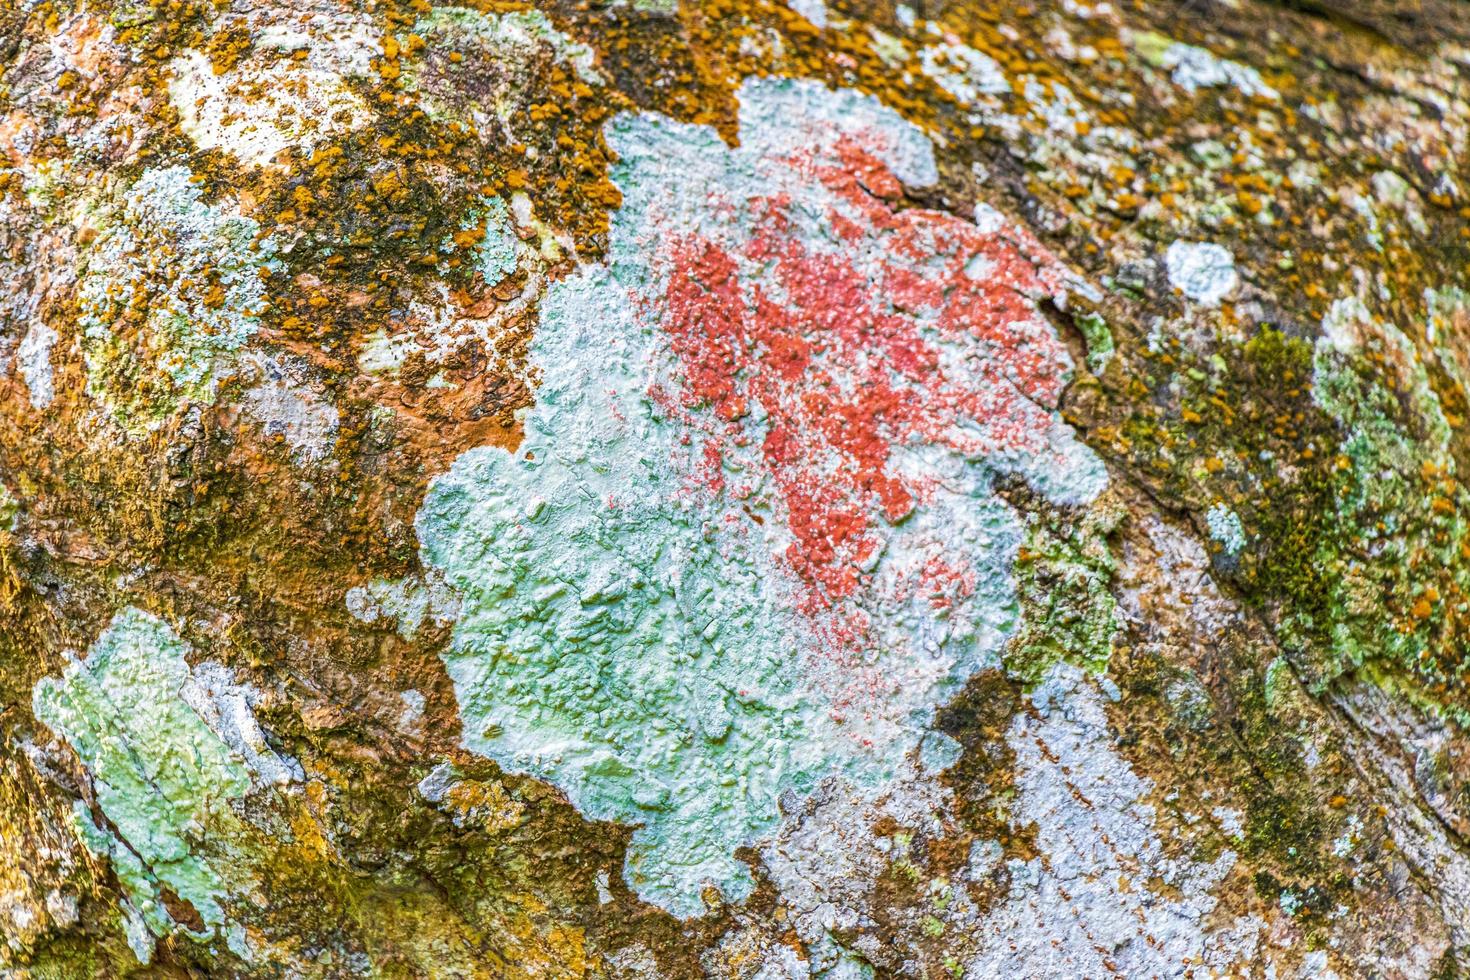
[
  {"x": 164, "y": 780},
  {"x": 628, "y": 629}
]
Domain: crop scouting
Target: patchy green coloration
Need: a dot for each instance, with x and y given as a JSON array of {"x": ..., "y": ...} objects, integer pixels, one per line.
[
  {"x": 605, "y": 645},
  {"x": 1398, "y": 506},
  {"x": 1063, "y": 576},
  {"x": 170, "y": 289},
  {"x": 163, "y": 779}
]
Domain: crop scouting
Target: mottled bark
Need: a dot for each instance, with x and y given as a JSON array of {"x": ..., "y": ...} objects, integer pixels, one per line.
[{"x": 728, "y": 489}]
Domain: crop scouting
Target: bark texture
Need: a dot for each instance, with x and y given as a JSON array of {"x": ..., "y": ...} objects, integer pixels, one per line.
[{"x": 727, "y": 489}]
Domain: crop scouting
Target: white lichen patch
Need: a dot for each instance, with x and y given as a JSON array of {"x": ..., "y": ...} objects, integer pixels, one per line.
[
  {"x": 413, "y": 710},
  {"x": 826, "y": 857},
  {"x": 1230, "y": 821},
  {"x": 170, "y": 290},
  {"x": 167, "y": 748},
  {"x": 799, "y": 598},
  {"x": 1082, "y": 908},
  {"x": 334, "y": 39},
  {"x": 1225, "y": 529},
  {"x": 1202, "y": 271},
  {"x": 964, "y": 72},
  {"x": 1193, "y": 68},
  {"x": 288, "y": 406},
  {"x": 33, "y": 361},
  {"x": 382, "y": 353},
  {"x": 815, "y": 11},
  {"x": 228, "y": 708},
  {"x": 1392, "y": 191},
  {"x": 517, "y": 33},
  {"x": 260, "y": 108},
  {"x": 1057, "y": 106},
  {"x": 406, "y": 602}
]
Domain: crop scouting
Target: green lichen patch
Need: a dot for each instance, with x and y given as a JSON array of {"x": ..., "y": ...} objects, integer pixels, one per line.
[
  {"x": 1064, "y": 572},
  {"x": 1398, "y": 525},
  {"x": 164, "y": 781},
  {"x": 1321, "y": 475}
]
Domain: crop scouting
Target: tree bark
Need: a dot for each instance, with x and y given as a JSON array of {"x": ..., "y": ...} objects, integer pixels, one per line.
[{"x": 728, "y": 489}]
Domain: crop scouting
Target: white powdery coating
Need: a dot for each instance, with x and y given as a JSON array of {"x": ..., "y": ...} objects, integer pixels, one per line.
[
  {"x": 1225, "y": 528},
  {"x": 1193, "y": 68},
  {"x": 256, "y": 111},
  {"x": 407, "y": 602},
  {"x": 292, "y": 409},
  {"x": 1056, "y": 104},
  {"x": 1203, "y": 271},
  {"x": 814, "y": 11},
  {"x": 413, "y": 709},
  {"x": 337, "y": 40},
  {"x": 826, "y": 858},
  {"x": 1231, "y": 822},
  {"x": 1086, "y": 907},
  {"x": 382, "y": 354},
  {"x": 228, "y": 709},
  {"x": 964, "y": 72},
  {"x": 33, "y": 359}
]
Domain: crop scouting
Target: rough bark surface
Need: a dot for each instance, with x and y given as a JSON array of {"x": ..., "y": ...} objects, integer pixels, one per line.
[{"x": 727, "y": 489}]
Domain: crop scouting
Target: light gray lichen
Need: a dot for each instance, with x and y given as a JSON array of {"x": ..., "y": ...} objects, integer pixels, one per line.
[
  {"x": 199, "y": 265},
  {"x": 33, "y": 359},
  {"x": 1225, "y": 529},
  {"x": 1203, "y": 271}
]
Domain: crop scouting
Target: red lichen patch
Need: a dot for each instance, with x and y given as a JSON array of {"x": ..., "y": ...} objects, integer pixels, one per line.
[
  {"x": 918, "y": 332},
  {"x": 882, "y": 331}
]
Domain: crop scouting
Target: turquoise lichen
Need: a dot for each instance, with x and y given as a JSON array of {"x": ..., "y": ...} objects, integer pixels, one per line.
[
  {"x": 1225, "y": 529},
  {"x": 163, "y": 779},
  {"x": 628, "y": 628},
  {"x": 603, "y": 644},
  {"x": 495, "y": 256}
]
